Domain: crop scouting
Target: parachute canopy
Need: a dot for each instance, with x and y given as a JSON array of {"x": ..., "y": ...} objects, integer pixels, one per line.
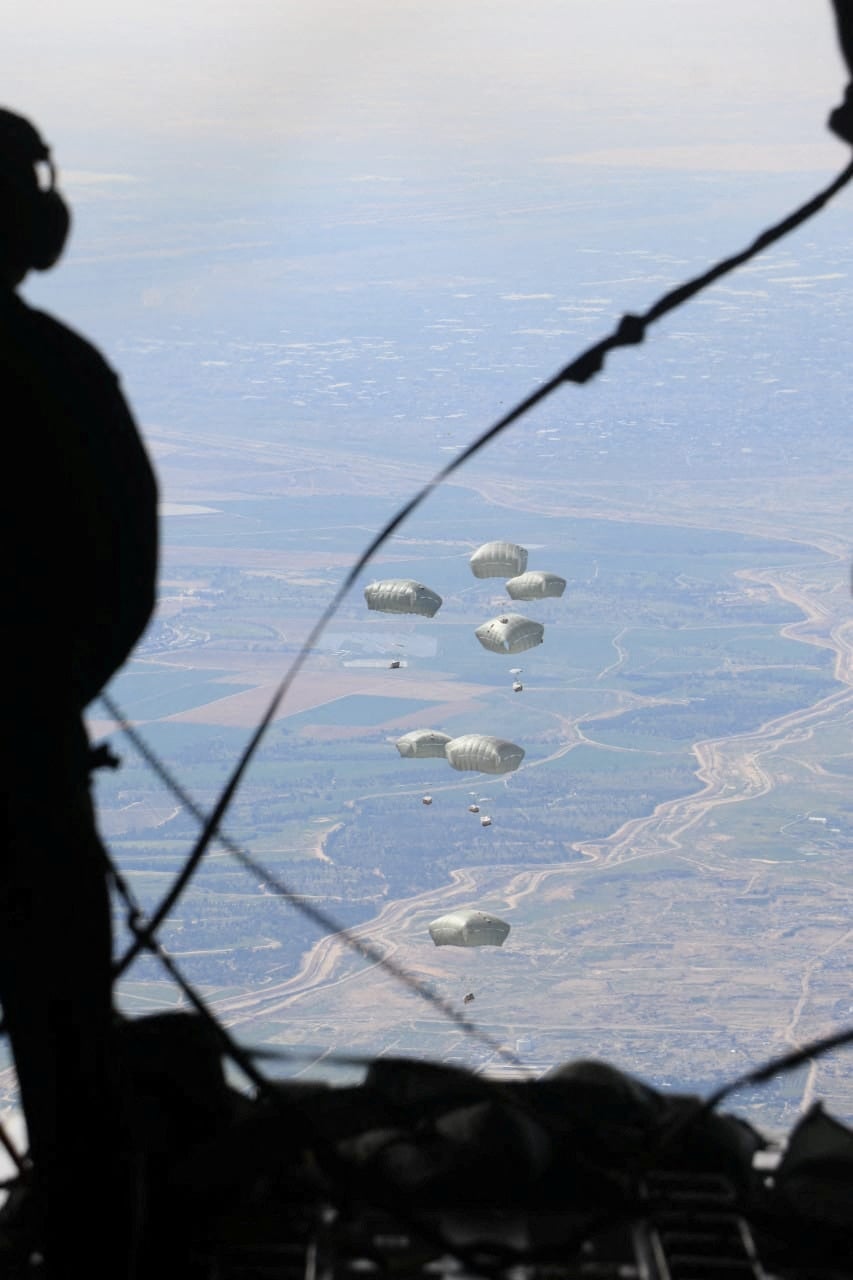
[
  {"x": 498, "y": 560},
  {"x": 535, "y": 585},
  {"x": 482, "y": 753},
  {"x": 402, "y": 595},
  {"x": 510, "y": 633},
  {"x": 422, "y": 743},
  {"x": 468, "y": 929}
]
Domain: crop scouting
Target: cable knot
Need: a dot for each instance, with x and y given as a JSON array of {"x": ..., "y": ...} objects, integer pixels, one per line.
[{"x": 632, "y": 329}]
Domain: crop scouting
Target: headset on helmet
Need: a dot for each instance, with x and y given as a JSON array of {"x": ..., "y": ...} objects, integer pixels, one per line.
[{"x": 36, "y": 218}]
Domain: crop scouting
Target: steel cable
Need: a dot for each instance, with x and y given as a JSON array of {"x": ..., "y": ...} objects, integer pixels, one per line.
[{"x": 631, "y": 330}]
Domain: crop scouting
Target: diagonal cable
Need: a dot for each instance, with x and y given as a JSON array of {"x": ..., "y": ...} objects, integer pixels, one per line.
[
  {"x": 630, "y": 331},
  {"x": 229, "y": 1046},
  {"x": 145, "y": 934}
]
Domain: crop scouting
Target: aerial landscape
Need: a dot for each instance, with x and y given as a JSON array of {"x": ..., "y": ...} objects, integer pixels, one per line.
[{"x": 672, "y": 853}]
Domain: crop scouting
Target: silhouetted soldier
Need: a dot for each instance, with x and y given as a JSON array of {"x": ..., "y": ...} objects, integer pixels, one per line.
[{"x": 78, "y": 578}]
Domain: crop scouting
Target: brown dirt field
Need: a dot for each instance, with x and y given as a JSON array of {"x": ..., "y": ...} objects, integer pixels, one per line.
[
  {"x": 244, "y": 710},
  {"x": 334, "y": 733},
  {"x": 295, "y": 562},
  {"x": 239, "y": 666},
  {"x": 440, "y": 711}
]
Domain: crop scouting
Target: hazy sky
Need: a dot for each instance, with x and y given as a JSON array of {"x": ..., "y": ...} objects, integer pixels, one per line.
[
  {"x": 275, "y": 123},
  {"x": 124, "y": 88}
]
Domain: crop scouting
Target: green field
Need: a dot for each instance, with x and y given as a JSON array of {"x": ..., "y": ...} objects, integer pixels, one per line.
[{"x": 654, "y": 646}]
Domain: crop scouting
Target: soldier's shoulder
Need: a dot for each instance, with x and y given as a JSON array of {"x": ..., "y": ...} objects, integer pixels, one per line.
[{"x": 59, "y": 343}]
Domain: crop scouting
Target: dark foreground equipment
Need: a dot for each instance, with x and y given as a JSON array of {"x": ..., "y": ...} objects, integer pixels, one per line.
[{"x": 429, "y": 1171}]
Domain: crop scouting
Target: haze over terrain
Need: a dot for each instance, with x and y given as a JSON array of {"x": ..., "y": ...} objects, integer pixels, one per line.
[{"x": 324, "y": 249}]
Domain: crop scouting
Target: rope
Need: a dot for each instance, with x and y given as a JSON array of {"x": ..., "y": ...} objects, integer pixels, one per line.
[
  {"x": 630, "y": 331},
  {"x": 145, "y": 935},
  {"x": 229, "y": 1046}
]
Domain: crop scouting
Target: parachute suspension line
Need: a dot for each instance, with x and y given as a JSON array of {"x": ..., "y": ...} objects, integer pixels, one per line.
[
  {"x": 144, "y": 935},
  {"x": 631, "y": 330}
]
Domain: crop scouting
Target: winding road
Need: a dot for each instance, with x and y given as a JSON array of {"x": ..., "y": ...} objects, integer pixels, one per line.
[{"x": 732, "y": 770}]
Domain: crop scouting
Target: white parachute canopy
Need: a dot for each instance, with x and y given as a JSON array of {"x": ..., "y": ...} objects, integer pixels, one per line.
[
  {"x": 468, "y": 929},
  {"x": 481, "y": 753},
  {"x": 422, "y": 743},
  {"x": 498, "y": 560},
  {"x": 402, "y": 595},
  {"x": 510, "y": 633},
  {"x": 535, "y": 585}
]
